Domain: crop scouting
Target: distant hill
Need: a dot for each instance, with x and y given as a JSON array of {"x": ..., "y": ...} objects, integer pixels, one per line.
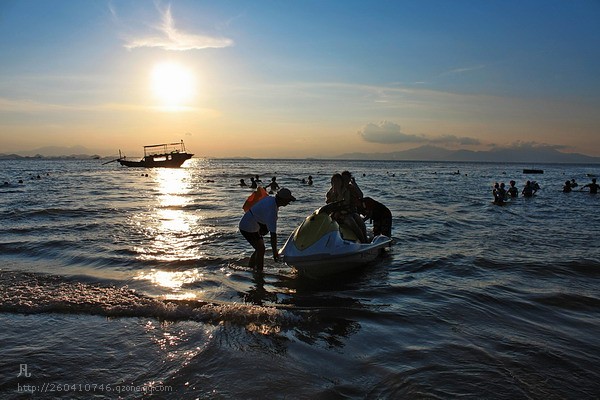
[
  {"x": 41, "y": 157},
  {"x": 53, "y": 152},
  {"x": 517, "y": 154},
  {"x": 56, "y": 151}
]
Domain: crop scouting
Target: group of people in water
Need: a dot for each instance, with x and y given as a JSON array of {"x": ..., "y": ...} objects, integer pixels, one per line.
[
  {"x": 501, "y": 193},
  {"x": 348, "y": 207},
  {"x": 569, "y": 185},
  {"x": 273, "y": 186}
]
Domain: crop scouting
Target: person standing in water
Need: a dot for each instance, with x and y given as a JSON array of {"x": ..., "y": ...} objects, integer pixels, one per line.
[
  {"x": 529, "y": 189},
  {"x": 379, "y": 214},
  {"x": 593, "y": 186},
  {"x": 512, "y": 190},
  {"x": 260, "y": 217},
  {"x": 499, "y": 193},
  {"x": 273, "y": 186}
]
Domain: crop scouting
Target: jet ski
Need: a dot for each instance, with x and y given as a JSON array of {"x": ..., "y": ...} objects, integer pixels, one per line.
[{"x": 321, "y": 247}]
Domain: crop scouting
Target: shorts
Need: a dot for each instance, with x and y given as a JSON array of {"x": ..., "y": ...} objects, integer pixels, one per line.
[{"x": 254, "y": 238}]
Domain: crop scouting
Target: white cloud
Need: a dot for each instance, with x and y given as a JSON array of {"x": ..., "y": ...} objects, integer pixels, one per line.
[
  {"x": 387, "y": 132},
  {"x": 168, "y": 37},
  {"x": 463, "y": 70}
]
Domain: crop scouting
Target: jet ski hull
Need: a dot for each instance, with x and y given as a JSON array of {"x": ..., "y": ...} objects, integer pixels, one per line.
[{"x": 317, "y": 249}]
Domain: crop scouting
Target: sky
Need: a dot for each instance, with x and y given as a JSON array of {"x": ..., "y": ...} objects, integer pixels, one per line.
[{"x": 296, "y": 79}]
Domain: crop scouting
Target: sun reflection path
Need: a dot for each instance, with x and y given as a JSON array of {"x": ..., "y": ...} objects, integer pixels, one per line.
[
  {"x": 173, "y": 280},
  {"x": 169, "y": 228}
]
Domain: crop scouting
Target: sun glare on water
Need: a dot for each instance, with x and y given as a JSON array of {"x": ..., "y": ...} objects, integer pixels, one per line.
[{"x": 173, "y": 86}]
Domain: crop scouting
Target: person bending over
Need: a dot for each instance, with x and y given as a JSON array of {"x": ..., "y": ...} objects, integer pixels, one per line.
[{"x": 260, "y": 219}]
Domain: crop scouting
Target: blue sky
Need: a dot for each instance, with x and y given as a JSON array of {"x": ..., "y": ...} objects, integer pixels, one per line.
[{"x": 300, "y": 78}]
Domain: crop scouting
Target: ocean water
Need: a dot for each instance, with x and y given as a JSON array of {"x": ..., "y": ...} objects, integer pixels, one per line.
[{"x": 118, "y": 284}]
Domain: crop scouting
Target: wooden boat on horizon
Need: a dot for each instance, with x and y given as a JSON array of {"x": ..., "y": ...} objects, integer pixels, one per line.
[{"x": 165, "y": 155}]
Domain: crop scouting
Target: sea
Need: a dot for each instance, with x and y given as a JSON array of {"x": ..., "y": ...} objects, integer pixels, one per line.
[{"x": 119, "y": 283}]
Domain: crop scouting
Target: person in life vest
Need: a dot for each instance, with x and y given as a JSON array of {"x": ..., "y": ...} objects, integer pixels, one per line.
[{"x": 260, "y": 219}]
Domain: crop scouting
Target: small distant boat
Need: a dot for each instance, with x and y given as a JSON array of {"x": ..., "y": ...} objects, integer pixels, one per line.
[
  {"x": 166, "y": 155},
  {"x": 533, "y": 171}
]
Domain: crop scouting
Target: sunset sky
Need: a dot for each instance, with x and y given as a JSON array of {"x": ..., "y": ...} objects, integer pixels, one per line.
[{"x": 300, "y": 78}]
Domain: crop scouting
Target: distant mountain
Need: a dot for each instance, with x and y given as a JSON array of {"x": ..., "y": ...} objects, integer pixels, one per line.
[
  {"x": 56, "y": 151},
  {"x": 41, "y": 157},
  {"x": 10, "y": 157},
  {"x": 524, "y": 154},
  {"x": 53, "y": 152}
]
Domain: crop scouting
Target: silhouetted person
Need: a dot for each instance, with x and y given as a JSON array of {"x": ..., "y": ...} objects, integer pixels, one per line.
[
  {"x": 512, "y": 190},
  {"x": 529, "y": 189},
  {"x": 593, "y": 186},
  {"x": 380, "y": 216},
  {"x": 347, "y": 211},
  {"x": 260, "y": 219},
  {"x": 499, "y": 193},
  {"x": 273, "y": 186}
]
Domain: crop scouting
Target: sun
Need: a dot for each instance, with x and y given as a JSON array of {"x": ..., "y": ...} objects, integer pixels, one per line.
[{"x": 173, "y": 85}]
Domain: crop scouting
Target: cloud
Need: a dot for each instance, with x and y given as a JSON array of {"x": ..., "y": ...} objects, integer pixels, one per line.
[
  {"x": 463, "y": 70},
  {"x": 387, "y": 132},
  {"x": 168, "y": 37}
]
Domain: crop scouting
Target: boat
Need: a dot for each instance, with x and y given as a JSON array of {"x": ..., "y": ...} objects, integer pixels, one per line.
[
  {"x": 320, "y": 247},
  {"x": 166, "y": 155},
  {"x": 533, "y": 171}
]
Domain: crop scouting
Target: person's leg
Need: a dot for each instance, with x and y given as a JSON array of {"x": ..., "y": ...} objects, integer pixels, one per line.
[
  {"x": 260, "y": 255},
  {"x": 257, "y": 259}
]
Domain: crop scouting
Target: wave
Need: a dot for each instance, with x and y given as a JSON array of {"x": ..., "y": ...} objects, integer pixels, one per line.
[{"x": 29, "y": 293}]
